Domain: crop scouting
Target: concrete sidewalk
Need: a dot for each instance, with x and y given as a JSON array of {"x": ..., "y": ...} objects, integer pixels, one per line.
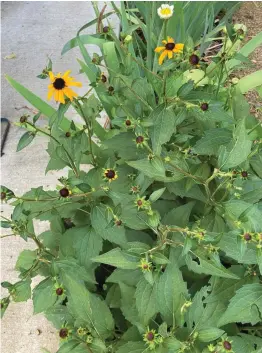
[{"x": 32, "y": 31}]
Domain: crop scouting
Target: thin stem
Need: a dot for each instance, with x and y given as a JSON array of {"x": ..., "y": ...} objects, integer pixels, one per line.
[
  {"x": 7, "y": 235},
  {"x": 88, "y": 131}
]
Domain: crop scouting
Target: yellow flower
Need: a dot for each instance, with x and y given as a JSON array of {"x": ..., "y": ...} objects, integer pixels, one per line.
[
  {"x": 168, "y": 50},
  {"x": 165, "y": 11},
  {"x": 110, "y": 175},
  {"x": 59, "y": 87}
]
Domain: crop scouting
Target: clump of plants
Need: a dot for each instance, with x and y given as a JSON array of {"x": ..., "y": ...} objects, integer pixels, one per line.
[{"x": 157, "y": 247}]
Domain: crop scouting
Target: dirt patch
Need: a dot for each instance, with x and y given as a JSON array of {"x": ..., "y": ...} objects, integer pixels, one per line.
[{"x": 250, "y": 14}]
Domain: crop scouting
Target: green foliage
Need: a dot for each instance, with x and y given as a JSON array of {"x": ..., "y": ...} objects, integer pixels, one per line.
[{"x": 157, "y": 246}]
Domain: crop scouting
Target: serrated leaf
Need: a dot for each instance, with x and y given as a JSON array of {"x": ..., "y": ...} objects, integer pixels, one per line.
[
  {"x": 171, "y": 292},
  {"x": 163, "y": 128},
  {"x": 25, "y": 140},
  {"x": 245, "y": 306},
  {"x": 87, "y": 245},
  {"x": 44, "y": 295},
  {"x": 179, "y": 216},
  {"x": 88, "y": 307},
  {"x": 100, "y": 219},
  {"x": 118, "y": 258},
  {"x": 156, "y": 194},
  {"x": 26, "y": 260},
  {"x": 22, "y": 290},
  {"x": 211, "y": 141},
  {"x": 132, "y": 347},
  {"x": 146, "y": 298},
  {"x": 207, "y": 265},
  {"x": 209, "y": 334},
  {"x": 238, "y": 151}
]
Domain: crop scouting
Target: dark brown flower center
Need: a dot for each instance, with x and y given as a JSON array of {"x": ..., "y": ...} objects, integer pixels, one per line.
[
  {"x": 110, "y": 174},
  {"x": 139, "y": 202},
  {"x": 59, "y": 291},
  {"x": 59, "y": 83},
  {"x": 244, "y": 174},
  {"x": 227, "y": 345},
  {"x": 139, "y": 139},
  {"x": 194, "y": 59},
  {"x": 103, "y": 78},
  {"x": 247, "y": 237},
  {"x": 128, "y": 122},
  {"x": 118, "y": 222},
  {"x": 3, "y": 195},
  {"x": 64, "y": 192},
  {"x": 63, "y": 333},
  {"x": 68, "y": 134},
  {"x": 150, "y": 336},
  {"x": 204, "y": 106},
  {"x": 170, "y": 46}
]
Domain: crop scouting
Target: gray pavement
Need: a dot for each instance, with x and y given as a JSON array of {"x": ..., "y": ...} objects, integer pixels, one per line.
[{"x": 32, "y": 31}]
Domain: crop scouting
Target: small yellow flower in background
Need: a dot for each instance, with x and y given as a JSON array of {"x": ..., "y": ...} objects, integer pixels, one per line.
[
  {"x": 59, "y": 87},
  {"x": 169, "y": 49},
  {"x": 165, "y": 11}
]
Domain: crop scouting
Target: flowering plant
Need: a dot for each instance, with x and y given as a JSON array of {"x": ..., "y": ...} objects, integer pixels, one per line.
[{"x": 157, "y": 247}]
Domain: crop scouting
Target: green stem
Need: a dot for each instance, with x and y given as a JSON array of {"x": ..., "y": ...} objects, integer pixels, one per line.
[
  {"x": 149, "y": 37},
  {"x": 88, "y": 131}
]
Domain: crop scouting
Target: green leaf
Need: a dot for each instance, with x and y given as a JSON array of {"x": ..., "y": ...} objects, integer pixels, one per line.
[
  {"x": 171, "y": 292},
  {"x": 132, "y": 347},
  {"x": 118, "y": 258},
  {"x": 238, "y": 151},
  {"x": 250, "y": 82},
  {"x": 44, "y": 295},
  {"x": 146, "y": 300},
  {"x": 179, "y": 216},
  {"x": 58, "y": 315},
  {"x": 37, "y": 102},
  {"x": 26, "y": 259},
  {"x": 163, "y": 128},
  {"x": 211, "y": 141},
  {"x": 209, "y": 334},
  {"x": 88, "y": 307},
  {"x": 88, "y": 245},
  {"x": 245, "y": 306},
  {"x": 85, "y": 39},
  {"x": 207, "y": 265},
  {"x": 22, "y": 290},
  {"x": 100, "y": 219},
  {"x": 156, "y": 194},
  {"x": 74, "y": 269},
  {"x": 25, "y": 140},
  {"x": 153, "y": 169}
]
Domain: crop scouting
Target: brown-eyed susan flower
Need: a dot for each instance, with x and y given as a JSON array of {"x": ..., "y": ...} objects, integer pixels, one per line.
[
  {"x": 145, "y": 265},
  {"x": 169, "y": 49},
  {"x": 64, "y": 333},
  {"x": 60, "y": 86},
  {"x": 110, "y": 174},
  {"x": 194, "y": 60},
  {"x": 226, "y": 345},
  {"x": 152, "y": 338},
  {"x": 165, "y": 11},
  {"x": 140, "y": 202}
]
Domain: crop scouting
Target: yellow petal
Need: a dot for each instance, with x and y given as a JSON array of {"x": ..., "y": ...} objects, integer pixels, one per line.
[
  {"x": 170, "y": 40},
  {"x": 159, "y": 49},
  {"x": 69, "y": 93},
  {"x": 50, "y": 93},
  {"x": 61, "y": 97},
  {"x": 66, "y": 74},
  {"x": 57, "y": 95},
  {"x": 51, "y": 76},
  {"x": 162, "y": 57},
  {"x": 170, "y": 54},
  {"x": 178, "y": 48},
  {"x": 74, "y": 83},
  {"x": 164, "y": 41}
]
